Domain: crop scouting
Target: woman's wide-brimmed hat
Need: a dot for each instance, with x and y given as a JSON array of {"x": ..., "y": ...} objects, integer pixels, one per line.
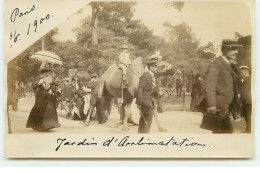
[{"x": 152, "y": 60}]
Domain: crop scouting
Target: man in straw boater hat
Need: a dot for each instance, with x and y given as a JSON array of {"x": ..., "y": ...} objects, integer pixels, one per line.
[
  {"x": 246, "y": 97},
  {"x": 146, "y": 89},
  {"x": 220, "y": 89},
  {"x": 124, "y": 62}
]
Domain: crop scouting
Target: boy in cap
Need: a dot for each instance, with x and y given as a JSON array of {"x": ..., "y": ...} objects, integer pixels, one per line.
[
  {"x": 246, "y": 97},
  {"x": 124, "y": 62}
]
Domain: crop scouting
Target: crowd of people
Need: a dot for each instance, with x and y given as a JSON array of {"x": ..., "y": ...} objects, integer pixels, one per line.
[
  {"x": 51, "y": 92},
  {"x": 19, "y": 90},
  {"x": 75, "y": 96},
  {"x": 225, "y": 91}
]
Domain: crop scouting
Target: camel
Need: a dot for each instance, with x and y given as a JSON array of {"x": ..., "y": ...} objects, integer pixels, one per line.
[{"x": 110, "y": 86}]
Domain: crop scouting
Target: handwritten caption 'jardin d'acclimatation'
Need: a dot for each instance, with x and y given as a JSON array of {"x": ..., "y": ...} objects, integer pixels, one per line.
[
  {"x": 127, "y": 141},
  {"x": 31, "y": 27}
]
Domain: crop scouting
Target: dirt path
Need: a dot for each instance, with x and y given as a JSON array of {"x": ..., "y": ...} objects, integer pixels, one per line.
[{"x": 173, "y": 121}]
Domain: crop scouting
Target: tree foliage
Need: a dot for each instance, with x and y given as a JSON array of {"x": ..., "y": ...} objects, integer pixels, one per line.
[
  {"x": 183, "y": 49},
  {"x": 177, "y": 5},
  {"x": 115, "y": 26}
]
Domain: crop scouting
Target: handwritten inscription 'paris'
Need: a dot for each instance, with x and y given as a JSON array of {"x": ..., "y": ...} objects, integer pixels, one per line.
[{"x": 17, "y": 12}]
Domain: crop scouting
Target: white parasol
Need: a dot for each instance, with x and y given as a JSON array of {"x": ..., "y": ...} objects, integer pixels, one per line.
[{"x": 47, "y": 57}]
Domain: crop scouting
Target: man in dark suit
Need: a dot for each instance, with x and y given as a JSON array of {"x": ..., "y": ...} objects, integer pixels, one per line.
[
  {"x": 220, "y": 86},
  {"x": 144, "y": 97},
  {"x": 190, "y": 81},
  {"x": 68, "y": 94},
  {"x": 246, "y": 97}
]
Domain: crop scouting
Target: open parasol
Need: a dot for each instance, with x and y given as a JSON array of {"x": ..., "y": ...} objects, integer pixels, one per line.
[{"x": 47, "y": 57}]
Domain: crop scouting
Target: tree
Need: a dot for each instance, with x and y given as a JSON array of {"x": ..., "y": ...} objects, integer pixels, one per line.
[
  {"x": 114, "y": 11},
  {"x": 177, "y": 5},
  {"x": 115, "y": 27},
  {"x": 182, "y": 48},
  {"x": 73, "y": 56},
  {"x": 181, "y": 41},
  {"x": 207, "y": 52}
]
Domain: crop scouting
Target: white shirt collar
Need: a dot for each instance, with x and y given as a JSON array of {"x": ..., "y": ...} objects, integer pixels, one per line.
[{"x": 227, "y": 61}]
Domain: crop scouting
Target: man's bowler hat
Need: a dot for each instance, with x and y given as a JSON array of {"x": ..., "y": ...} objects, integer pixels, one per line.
[{"x": 230, "y": 43}]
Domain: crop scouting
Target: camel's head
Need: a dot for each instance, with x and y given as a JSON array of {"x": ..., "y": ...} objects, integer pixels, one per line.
[{"x": 166, "y": 68}]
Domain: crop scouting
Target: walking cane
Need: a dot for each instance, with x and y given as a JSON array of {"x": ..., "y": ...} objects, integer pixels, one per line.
[
  {"x": 65, "y": 106},
  {"x": 142, "y": 115}
]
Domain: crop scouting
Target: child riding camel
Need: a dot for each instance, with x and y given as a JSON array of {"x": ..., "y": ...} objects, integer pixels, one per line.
[{"x": 124, "y": 62}]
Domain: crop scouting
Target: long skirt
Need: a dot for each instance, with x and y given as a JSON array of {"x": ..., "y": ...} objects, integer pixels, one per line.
[{"x": 44, "y": 116}]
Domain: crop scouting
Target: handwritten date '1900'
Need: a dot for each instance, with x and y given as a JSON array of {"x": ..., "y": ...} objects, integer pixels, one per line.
[{"x": 36, "y": 23}]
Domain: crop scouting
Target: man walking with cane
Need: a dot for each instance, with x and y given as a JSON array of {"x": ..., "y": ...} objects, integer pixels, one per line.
[{"x": 144, "y": 101}]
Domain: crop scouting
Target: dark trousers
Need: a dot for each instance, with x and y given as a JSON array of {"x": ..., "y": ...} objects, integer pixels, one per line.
[
  {"x": 145, "y": 120},
  {"x": 247, "y": 113},
  {"x": 159, "y": 105},
  {"x": 194, "y": 98},
  {"x": 225, "y": 126},
  {"x": 216, "y": 124}
]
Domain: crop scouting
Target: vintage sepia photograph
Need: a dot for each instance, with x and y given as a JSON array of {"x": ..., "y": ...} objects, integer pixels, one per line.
[{"x": 126, "y": 67}]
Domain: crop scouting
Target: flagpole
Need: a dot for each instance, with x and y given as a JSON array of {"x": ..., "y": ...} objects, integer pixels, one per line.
[{"x": 43, "y": 50}]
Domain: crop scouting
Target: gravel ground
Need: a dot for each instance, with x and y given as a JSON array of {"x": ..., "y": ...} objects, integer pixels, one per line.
[{"x": 174, "y": 120}]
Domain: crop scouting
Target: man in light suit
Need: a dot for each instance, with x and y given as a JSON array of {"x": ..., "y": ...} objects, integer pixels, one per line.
[{"x": 220, "y": 87}]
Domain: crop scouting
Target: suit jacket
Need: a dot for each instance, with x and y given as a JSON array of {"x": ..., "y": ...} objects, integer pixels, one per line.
[
  {"x": 196, "y": 88},
  {"x": 144, "y": 91},
  {"x": 219, "y": 85},
  {"x": 79, "y": 97},
  {"x": 246, "y": 91},
  {"x": 68, "y": 92}
]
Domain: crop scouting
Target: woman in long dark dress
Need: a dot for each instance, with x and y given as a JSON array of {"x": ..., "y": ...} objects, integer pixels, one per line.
[
  {"x": 43, "y": 115},
  {"x": 195, "y": 92}
]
